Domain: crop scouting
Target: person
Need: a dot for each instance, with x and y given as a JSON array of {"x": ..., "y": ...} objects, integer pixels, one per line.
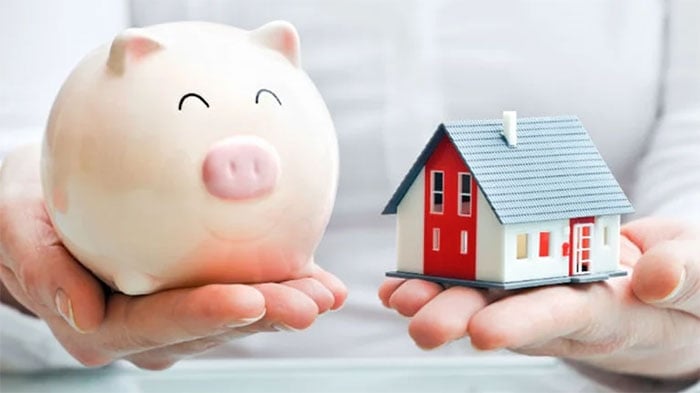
[{"x": 628, "y": 69}]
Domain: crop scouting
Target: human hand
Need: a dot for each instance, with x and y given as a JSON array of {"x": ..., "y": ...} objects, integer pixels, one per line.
[
  {"x": 152, "y": 331},
  {"x": 647, "y": 324}
]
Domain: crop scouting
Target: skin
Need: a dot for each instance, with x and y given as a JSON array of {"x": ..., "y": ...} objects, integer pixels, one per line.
[
  {"x": 646, "y": 324},
  {"x": 98, "y": 326}
]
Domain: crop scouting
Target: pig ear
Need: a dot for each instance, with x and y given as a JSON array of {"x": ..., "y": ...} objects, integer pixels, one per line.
[
  {"x": 280, "y": 36},
  {"x": 130, "y": 46}
]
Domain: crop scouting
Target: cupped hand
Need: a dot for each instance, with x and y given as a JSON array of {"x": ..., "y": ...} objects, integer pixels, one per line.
[
  {"x": 644, "y": 324},
  {"x": 154, "y": 331}
]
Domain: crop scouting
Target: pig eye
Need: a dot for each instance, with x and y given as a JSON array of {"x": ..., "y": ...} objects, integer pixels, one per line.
[
  {"x": 188, "y": 95},
  {"x": 257, "y": 96}
]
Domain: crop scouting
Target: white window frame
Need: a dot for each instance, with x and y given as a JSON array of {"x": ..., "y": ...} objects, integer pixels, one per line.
[
  {"x": 460, "y": 194},
  {"x": 436, "y": 239},
  {"x": 578, "y": 251},
  {"x": 433, "y": 192},
  {"x": 464, "y": 243}
]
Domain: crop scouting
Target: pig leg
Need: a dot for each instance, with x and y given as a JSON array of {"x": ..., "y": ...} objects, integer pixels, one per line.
[{"x": 136, "y": 283}]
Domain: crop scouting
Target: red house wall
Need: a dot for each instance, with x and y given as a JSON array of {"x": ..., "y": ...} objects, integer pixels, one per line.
[{"x": 448, "y": 261}]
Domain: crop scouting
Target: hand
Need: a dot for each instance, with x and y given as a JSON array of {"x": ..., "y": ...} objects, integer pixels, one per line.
[
  {"x": 647, "y": 324},
  {"x": 152, "y": 331}
]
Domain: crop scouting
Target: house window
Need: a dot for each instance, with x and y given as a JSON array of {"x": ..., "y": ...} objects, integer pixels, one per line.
[
  {"x": 436, "y": 239},
  {"x": 606, "y": 239},
  {"x": 544, "y": 244},
  {"x": 565, "y": 249},
  {"x": 437, "y": 189},
  {"x": 464, "y": 246},
  {"x": 521, "y": 249},
  {"x": 465, "y": 194}
]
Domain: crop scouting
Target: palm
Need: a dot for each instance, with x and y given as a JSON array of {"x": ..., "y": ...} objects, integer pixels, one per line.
[
  {"x": 617, "y": 325},
  {"x": 152, "y": 331}
]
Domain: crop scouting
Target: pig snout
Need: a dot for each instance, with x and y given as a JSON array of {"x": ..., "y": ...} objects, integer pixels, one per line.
[{"x": 240, "y": 168}]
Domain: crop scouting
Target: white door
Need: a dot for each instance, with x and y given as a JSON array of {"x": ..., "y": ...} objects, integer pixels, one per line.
[{"x": 581, "y": 252}]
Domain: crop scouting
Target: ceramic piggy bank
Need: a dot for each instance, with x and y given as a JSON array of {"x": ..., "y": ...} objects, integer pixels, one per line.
[{"x": 191, "y": 153}]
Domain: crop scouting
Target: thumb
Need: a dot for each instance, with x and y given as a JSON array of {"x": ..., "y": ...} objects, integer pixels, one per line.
[{"x": 668, "y": 276}]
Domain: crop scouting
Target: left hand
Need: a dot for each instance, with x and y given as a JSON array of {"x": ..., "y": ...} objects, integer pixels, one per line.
[
  {"x": 40, "y": 277},
  {"x": 645, "y": 324}
]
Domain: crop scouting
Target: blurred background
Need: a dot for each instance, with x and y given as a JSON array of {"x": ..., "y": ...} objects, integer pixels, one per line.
[{"x": 390, "y": 72}]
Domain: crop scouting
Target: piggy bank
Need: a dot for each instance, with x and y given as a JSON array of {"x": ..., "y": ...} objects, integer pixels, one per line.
[{"x": 191, "y": 153}]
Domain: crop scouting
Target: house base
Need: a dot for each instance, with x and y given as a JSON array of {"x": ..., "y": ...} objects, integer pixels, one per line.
[{"x": 578, "y": 279}]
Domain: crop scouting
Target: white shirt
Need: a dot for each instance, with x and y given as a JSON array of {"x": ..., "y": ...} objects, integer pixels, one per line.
[{"x": 390, "y": 72}]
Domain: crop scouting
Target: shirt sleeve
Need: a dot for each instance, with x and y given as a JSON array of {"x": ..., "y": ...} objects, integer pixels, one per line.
[{"x": 668, "y": 177}]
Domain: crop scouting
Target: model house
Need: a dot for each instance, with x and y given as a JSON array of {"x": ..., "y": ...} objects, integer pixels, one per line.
[{"x": 509, "y": 203}]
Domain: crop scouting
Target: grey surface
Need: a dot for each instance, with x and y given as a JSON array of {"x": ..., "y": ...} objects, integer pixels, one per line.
[
  {"x": 505, "y": 374},
  {"x": 554, "y": 172}
]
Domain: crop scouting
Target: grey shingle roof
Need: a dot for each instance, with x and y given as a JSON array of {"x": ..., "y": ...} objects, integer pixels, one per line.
[{"x": 555, "y": 172}]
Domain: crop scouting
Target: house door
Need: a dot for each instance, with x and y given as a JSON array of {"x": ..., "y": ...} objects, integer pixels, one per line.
[
  {"x": 450, "y": 215},
  {"x": 581, "y": 245}
]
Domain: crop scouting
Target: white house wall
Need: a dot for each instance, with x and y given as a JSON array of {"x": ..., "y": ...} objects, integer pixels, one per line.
[
  {"x": 534, "y": 266},
  {"x": 489, "y": 242},
  {"x": 410, "y": 223},
  {"x": 606, "y": 258}
]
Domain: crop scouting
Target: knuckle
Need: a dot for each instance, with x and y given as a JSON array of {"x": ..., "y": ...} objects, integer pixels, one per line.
[
  {"x": 30, "y": 278},
  {"x": 139, "y": 341},
  {"x": 90, "y": 357},
  {"x": 5, "y": 228},
  {"x": 131, "y": 340}
]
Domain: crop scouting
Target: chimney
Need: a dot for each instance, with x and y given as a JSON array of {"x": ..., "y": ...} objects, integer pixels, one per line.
[{"x": 510, "y": 128}]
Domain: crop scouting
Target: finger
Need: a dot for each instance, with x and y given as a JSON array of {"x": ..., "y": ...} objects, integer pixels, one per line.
[
  {"x": 162, "y": 358},
  {"x": 647, "y": 232},
  {"x": 408, "y": 298},
  {"x": 17, "y": 299},
  {"x": 668, "y": 276},
  {"x": 569, "y": 348},
  {"x": 387, "y": 289},
  {"x": 287, "y": 309},
  {"x": 135, "y": 324},
  {"x": 320, "y": 294},
  {"x": 446, "y": 317},
  {"x": 629, "y": 252},
  {"x": 47, "y": 273},
  {"x": 333, "y": 283},
  {"x": 533, "y": 316}
]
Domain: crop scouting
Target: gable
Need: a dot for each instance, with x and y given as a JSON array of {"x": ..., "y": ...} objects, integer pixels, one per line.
[
  {"x": 410, "y": 177},
  {"x": 554, "y": 172}
]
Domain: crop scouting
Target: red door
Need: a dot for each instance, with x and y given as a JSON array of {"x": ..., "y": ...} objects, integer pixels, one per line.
[{"x": 450, "y": 215}]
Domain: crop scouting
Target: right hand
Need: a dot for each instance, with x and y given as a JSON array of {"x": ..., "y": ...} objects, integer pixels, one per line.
[{"x": 152, "y": 331}]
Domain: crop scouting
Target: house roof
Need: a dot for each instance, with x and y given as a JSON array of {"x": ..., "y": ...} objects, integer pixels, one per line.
[{"x": 554, "y": 172}]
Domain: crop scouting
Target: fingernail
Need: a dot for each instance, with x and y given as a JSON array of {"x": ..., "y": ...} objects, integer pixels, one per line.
[
  {"x": 281, "y": 327},
  {"x": 675, "y": 290},
  {"x": 64, "y": 306},
  {"x": 244, "y": 321}
]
